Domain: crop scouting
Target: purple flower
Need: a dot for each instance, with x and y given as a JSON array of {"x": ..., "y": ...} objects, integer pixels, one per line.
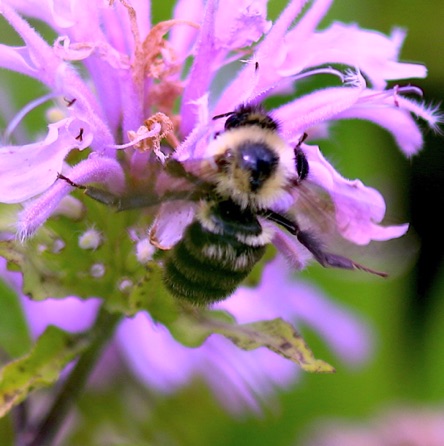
[
  {"x": 415, "y": 426},
  {"x": 134, "y": 91}
]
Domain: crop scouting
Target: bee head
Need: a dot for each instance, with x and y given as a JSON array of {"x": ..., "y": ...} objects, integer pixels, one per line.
[
  {"x": 254, "y": 164},
  {"x": 247, "y": 168},
  {"x": 258, "y": 162}
]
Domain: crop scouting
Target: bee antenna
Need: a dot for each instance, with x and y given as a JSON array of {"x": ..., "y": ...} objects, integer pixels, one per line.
[{"x": 223, "y": 115}]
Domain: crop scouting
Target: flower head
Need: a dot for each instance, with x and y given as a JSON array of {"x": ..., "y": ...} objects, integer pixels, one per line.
[
  {"x": 136, "y": 69},
  {"x": 140, "y": 111}
]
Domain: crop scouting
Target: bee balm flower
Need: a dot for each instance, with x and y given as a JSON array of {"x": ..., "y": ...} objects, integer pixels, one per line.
[{"x": 145, "y": 95}]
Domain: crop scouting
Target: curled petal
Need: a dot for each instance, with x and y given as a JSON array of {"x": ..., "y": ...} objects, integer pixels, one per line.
[
  {"x": 393, "y": 113},
  {"x": 66, "y": 50},
  {"x": 296, "y": 255},
  {"x": 358, "y": 209},
  {"x": 170, "y": 223},
  {"x": 41, "y": 161},
  {"x": 355, "y": 206},
  {"x": 398, "y": 122}
]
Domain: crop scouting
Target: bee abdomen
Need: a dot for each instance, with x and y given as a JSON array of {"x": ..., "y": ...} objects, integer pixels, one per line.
[{"x": 205, "y": 267}]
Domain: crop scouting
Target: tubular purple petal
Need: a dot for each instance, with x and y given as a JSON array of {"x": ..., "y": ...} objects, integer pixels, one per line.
[
  {"x": 398, "y": 122},
  {"x": 57, "y": 14},
  {"x": 240, "y": 23},
  {"x": 182, "y": 38},
  {"x": 305, "y": 112},
  {"x": 201, "y": 71},
  {"x": 95, "y": 169},
  {"x": 268, "y": 56},
  {"x": 40, "y": 61},
  {"x": 374, "y": 53},
  {"x": 310, "y": 20}
]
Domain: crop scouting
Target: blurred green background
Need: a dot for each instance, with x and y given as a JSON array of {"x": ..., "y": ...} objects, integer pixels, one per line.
[{"x": 406, "y": 311}]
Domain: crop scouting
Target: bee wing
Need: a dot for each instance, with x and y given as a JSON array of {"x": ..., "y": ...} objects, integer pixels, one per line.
[
  {"x": 190, "y": 179},
  {"x": 180, "y": 185},
  {"x": 330, "y": 204},
  {"x": 313, "y": 209}
]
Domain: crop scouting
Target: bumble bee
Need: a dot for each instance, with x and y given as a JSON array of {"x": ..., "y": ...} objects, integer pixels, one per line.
[{"x": 249, "y": 168}]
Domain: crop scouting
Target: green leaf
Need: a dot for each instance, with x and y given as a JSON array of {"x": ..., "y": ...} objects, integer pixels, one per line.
[
  {"x": 193, "y": 327},
  {"x": 191, "y": 330},
  {"x": 41, "y": 367},
  {"x": 55, "y": 265},
  {"x": 14, "y": 335},
  {"x": 276, "y": 335},
  {"x": 13, "y": 253},
  {"x": 149, "y": 293}
]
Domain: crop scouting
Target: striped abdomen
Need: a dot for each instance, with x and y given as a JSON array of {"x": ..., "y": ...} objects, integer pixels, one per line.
[{"x": 216, "y": 253}]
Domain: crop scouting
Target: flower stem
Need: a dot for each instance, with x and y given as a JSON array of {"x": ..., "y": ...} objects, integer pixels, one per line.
[{"x": 101, "y": 332}]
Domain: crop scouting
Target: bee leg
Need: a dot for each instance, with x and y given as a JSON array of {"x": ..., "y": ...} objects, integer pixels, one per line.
[
  {"x": 100, "y": 195},
  {"x": 109, "y": 199},
  {"x": 326, "y": 259},
  {"x": 177, "y": 169},
  {"x": 133, "y": 201}
]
